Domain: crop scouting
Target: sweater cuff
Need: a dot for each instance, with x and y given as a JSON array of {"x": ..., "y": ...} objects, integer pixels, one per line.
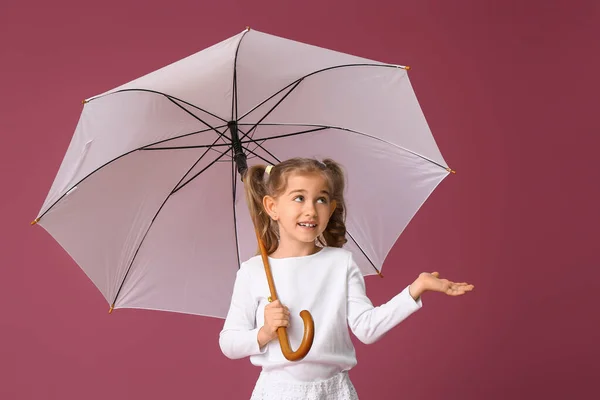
[
  {"x": 252, "y": 344},
  {"x": 405, "y": 300}
]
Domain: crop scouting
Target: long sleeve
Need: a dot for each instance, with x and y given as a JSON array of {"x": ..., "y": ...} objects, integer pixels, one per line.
[
  {"x": 369, "y": 323},
  {"x": 238, "y": 338}
]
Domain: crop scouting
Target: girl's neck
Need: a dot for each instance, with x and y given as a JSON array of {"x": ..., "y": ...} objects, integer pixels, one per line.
[{"x": 285, "y": 250}]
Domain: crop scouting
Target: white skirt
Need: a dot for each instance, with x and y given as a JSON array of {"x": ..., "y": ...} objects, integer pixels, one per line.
[{"x": 271, "y": 386}]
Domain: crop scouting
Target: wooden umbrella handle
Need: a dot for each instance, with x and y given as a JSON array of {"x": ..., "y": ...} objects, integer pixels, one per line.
[{"x": 309, "y": 327}]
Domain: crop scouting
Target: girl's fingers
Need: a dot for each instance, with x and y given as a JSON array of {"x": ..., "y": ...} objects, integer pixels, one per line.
[
  {"x": 274, "y": 305},
  {"x": 279, "y": 317},
  {"x": 279, "y": 312}
]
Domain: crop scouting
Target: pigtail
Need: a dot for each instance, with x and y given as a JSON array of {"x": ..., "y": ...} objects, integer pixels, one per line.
[
  {"x": 335, "y": 233},
  {"x": 255, "y": 190}
]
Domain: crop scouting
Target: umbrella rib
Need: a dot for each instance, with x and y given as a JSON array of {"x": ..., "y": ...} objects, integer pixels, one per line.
[
  {"x": 342, "y": 129},
  {"x": 118, "y": 157},
  {"x": 364, "y": 253},
  {"x": 248, "y": 148},
  {"x": 317, "y": 72},
  {"x": 234, "y": 97},
  {"x": 223, "y": 153},
  {"x": 251, "y": 140},
  {"x": 196, "y": 117},
  {"x": 175, "y": 189},
  {"x": 257, "y": 146},
  {"x": 156, "y": 92},
  {"x": 234, "y": 102},
  {"x": 198, "y": 174},
  {"x": 185, "y": 135},
  {"x": 207, "y": 146},
  {"x": 271, "y": 110},
  {"x": 221, "y": 136},
  {"x": 261, "y": 157},
  {"x": 201, "y": 146}
]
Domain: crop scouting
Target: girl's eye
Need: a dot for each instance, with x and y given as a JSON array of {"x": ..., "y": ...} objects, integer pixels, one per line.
[{"x": 322, "y": 200}]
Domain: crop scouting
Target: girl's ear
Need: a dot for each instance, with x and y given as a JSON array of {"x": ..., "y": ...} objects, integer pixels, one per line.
[
  {"x": 270, "y": 207},
  {"x": 333, "y": 206}
]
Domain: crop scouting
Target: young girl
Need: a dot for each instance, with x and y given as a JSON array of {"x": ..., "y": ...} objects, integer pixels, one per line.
[{"x": 298, "y": 206}]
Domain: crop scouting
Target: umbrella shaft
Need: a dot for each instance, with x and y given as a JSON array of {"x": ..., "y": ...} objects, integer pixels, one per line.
[{"x": 238, "y": 153}]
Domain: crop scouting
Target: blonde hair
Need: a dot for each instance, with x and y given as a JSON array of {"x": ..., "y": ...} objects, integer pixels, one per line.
[{"x": 257, "y": 187}]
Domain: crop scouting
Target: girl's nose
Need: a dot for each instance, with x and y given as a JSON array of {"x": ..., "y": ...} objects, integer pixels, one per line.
[{"x": 310, "y": 210}]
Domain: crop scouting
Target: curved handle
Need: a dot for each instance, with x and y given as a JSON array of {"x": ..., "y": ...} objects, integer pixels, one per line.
[
  {"x": 309, "y": 326},
  {"x": 307, "y": 339}
]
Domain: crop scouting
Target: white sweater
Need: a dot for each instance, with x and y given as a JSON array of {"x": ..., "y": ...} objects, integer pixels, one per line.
[{"x": 330, "y": 285}]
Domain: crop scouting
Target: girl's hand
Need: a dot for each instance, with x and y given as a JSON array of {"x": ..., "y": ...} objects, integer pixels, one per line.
[
  {"x": 432, "y": 282},
  {"x": 276, "y": 315}
]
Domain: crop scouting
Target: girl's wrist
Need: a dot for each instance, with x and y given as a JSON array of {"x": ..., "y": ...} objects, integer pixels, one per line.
[
  {"x": 417, "y": 288},
  {"x": 263, "y": 337}
]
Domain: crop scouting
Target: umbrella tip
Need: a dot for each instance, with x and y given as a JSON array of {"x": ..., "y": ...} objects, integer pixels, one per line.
[
  {"x": 247, "y": 28},
  {"x": 380, "y": 274},
  {"x": 407, "y": 67},
  {"x": 112, "y": 307},
  {"x": 83, "y": 101},
  {"x": 35, "y": 221},
  {"x": 451, "y": 170}
]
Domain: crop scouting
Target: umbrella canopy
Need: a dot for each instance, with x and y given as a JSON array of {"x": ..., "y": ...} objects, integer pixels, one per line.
[{"x": 148, "y": 200}]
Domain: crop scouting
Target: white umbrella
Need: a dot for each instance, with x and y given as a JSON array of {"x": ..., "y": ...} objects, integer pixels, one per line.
[{"x": 147, "y": 200}]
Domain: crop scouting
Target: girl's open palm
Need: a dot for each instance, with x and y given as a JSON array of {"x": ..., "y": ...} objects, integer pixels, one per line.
[{"x": 434, "y": 283}]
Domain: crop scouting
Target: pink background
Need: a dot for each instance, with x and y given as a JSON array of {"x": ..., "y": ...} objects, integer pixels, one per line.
[{"x": 510, "y": 90}]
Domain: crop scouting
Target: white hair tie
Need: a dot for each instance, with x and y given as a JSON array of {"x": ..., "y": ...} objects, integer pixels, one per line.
[{"x": 268, "y": 169}]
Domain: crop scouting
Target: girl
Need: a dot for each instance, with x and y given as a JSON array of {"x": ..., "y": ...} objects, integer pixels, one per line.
[{"x": 298, "y": 206}]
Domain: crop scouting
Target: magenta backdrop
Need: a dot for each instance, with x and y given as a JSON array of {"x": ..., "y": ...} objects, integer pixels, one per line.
[{"x": 510, "y": 89}]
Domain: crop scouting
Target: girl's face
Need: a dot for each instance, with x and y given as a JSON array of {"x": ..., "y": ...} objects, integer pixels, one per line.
[{"x": 303, "y": 210}]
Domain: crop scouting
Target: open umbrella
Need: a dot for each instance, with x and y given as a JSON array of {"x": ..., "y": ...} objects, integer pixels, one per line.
[{"x": 148, "y": 200}]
